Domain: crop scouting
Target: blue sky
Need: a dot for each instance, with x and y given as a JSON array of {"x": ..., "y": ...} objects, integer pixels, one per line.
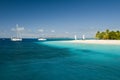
[{"x": 58, "y": 17}]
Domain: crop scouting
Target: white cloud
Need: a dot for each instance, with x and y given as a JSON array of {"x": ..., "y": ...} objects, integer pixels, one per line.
[
  {"x": 20, "y": 28},
  {"x": 67, "y": 32},
  {"x": 53, "y": 31},
  {"x": 13, "y": 29},
  {"x": 41, "y": 30}
]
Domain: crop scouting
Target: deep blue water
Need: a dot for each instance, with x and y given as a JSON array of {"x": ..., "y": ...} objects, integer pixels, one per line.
[{"x": 57, "y": 60}]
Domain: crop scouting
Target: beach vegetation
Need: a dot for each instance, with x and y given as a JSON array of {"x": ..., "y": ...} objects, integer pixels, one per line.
[{"x": 108, "y": 35}]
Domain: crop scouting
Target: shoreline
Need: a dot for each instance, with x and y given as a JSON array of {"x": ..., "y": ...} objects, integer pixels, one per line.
[{"x": 114, "y": 42}]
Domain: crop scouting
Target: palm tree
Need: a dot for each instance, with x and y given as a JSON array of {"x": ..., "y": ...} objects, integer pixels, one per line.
[
  {"x": 107, "y": 31},
  {"x": 97, "y": 34},
  {"x": 118, "y": 34},
  {"x": 107, "y": 34}
]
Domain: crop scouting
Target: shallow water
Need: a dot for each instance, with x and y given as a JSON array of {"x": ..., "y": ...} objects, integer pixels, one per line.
[{"x": 57, "y": 60}]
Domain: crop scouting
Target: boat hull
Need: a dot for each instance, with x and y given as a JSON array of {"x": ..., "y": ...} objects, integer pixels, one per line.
[
  {"x": 42, "y": 39},
  {"x": 16, "y": 39}
]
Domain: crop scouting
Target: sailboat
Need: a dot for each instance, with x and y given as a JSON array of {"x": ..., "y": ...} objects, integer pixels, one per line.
[
  {"x": 75, "y": 37},
  {"x": 18, "y": 38},
  {"x": 83, "y": 37},
  {"x": 42, "y": 39}
]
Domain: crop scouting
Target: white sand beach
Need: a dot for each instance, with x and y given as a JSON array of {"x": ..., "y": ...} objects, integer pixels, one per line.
[{"x": 115, "y": 42}]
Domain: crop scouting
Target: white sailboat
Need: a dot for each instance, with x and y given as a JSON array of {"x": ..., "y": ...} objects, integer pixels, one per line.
[
  {"x": 42, "y": 39},
  {"x": 17, "y": 38},
  {"x": 75, "y": 37},
  {"x": 83, "y": 37}
]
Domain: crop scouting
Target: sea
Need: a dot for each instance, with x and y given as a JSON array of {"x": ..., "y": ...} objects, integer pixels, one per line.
[{"x": 57, "y": 59}]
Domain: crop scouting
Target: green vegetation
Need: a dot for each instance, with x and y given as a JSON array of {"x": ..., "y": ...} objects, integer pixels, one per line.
[{"x": 112, "y": 35}]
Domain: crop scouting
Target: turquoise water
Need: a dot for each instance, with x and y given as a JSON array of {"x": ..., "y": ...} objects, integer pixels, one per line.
[{"x": 58, "y": 60}]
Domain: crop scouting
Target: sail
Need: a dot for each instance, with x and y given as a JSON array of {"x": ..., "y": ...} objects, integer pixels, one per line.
[
  {"x": 83, "y": 37},
  {"x": 18, "y": 37},
  {"x": 75, "y": 37}
]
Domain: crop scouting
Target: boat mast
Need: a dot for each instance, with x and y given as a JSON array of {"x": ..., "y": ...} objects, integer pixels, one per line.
[{"x": 17, "y": 30}]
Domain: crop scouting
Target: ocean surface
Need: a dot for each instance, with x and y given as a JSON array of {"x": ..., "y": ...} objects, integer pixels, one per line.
[{"x": 58, "y": 60}]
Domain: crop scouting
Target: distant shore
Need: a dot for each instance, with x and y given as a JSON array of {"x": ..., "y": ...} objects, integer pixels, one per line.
[{"x": 116, "y": 42}]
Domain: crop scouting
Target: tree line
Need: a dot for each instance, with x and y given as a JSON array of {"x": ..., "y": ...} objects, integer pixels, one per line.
[{"x": 108, "y": 35}]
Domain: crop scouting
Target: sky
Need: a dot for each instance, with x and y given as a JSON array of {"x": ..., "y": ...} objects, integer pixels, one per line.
[{"x": 58, "y": 18}]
